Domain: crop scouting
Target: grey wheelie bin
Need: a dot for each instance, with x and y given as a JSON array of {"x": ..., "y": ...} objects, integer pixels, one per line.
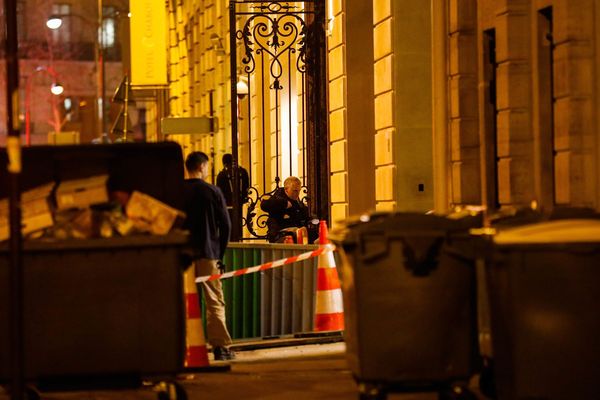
[
  {"x": 101, "y": 312},
  {"x": 544, "y": 287},
  {"x": 408, "y": 283}
]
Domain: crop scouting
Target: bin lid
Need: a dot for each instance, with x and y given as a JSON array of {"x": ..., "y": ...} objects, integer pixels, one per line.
[
  {"x": 558, "y": 231},
  {"x": 347, "y": 230}
]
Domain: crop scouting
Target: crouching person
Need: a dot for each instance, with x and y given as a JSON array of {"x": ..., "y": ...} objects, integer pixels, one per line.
[{"x": 286, "y": 211}]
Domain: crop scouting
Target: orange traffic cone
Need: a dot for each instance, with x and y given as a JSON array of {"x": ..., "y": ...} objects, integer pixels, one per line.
[
  {"x": 323, "y": 233},
  {"x": 196, "y": 354},
  {"x": 329, "y": 313}
]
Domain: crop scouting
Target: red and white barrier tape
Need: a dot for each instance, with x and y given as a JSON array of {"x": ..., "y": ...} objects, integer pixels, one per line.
[{"x": 269, "y": 265}]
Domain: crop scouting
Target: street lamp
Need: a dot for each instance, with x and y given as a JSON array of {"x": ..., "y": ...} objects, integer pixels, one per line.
[
  {"x": 56, "y": 89},
  {"x": 54, "y": 22},
  {"x": 242, "y": 87}
]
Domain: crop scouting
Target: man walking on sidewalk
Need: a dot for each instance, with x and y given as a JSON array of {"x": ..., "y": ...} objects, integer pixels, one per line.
[{"x": 209, "y": 226}]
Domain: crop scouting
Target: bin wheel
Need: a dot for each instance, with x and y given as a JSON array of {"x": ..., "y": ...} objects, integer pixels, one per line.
[
  {"x": 170, "y": 391},
  {"x": 456, "y": 392},
  {"x": 487, "y": 384},
  {"x": 32, "y": 394},
  {"x": 369, "y": 391}
]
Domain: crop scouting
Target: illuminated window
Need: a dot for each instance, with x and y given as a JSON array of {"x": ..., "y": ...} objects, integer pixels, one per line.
[
  {"x": 63, "y": 34},
  {"x": 109, "y": 27},
  {"x": 68, "y": 106}
]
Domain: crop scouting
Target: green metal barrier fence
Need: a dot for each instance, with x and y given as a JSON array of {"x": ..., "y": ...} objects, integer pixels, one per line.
[{"x": 273, "y": 302}]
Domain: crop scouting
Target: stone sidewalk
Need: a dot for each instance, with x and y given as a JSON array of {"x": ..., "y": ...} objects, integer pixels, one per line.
[{"x": 303, "y": 372}]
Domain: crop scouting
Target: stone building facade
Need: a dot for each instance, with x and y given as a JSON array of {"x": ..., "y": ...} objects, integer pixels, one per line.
[
  {"x": 200, "y": 86},
  {"x": 381, "y": 105},
  {"x": 199, "y": 71},
  {"x": 474, "y": 102},
  {"x": 526, "y": 74},
  {"x": 432, "y": 104}
]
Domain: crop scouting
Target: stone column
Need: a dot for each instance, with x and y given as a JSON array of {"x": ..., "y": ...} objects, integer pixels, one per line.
[
  {"x": 463, "y": 106},
  {"x": 411, "y": 100},
  {"x": 359, "y": 107},
  {"x": 514, "y": 128},
  {"x": 574, "y": 136},
  {"x": 351, "y": 118},
  {"x": 439, "y": 69}
]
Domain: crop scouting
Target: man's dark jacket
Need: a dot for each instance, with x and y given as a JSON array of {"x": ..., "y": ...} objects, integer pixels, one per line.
[
  {"x": 225, "y": 183},
  {"x": 281, "y": 217},
  {"x": 207, "y": 219}
]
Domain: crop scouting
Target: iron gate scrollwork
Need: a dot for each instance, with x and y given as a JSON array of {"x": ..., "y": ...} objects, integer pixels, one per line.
[{"x": 281, "y": 45}]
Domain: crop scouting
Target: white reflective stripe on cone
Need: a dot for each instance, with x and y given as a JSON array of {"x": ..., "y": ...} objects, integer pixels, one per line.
[
  {"x": 329, "y": 261},
  {"x": 329, "y": 302}
]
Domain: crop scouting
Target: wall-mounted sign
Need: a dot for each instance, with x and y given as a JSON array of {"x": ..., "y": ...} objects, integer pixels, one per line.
[
  {"x": 187, "y": 125},
  {"x": 148, "y": 25}
]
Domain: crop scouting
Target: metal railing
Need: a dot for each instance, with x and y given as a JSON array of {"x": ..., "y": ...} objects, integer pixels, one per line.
[{"x": 282, "y": 46}]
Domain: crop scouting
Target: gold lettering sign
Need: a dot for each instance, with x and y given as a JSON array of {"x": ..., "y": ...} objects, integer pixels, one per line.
[{"x": 148, "y": 42}]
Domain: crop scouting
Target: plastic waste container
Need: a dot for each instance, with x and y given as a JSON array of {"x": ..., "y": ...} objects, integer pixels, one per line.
[
  {"x": 544, "y": 287},
  {"x": 99, "y": 310},
  {"x": 408, "y": 283},
  {"x": 99, "y": 307}
]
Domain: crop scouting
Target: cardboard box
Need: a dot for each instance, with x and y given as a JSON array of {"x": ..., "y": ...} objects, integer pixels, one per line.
[
  {"x": 82, "y": 193},
  {"x": 153, "y": 215},
  {"x": 35, "y": 211}
]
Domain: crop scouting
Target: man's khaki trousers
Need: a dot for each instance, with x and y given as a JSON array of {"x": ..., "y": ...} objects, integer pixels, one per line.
[{"x": 217, "y": 334}]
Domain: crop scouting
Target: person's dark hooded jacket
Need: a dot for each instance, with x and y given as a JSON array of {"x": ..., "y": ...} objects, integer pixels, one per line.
[{"x": 280, "y": 216}]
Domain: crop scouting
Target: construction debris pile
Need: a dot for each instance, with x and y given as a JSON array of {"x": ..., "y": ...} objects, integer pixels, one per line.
[{"x": 84, "y": 208}]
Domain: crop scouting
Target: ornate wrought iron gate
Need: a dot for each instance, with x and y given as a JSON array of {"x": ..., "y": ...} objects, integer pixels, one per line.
[{"x": 279, "y": 126}]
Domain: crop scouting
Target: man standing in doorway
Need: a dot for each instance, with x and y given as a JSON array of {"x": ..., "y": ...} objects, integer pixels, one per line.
[
  {"x": 225, "y": 181},
  {"x": 209, "y": 226}
]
